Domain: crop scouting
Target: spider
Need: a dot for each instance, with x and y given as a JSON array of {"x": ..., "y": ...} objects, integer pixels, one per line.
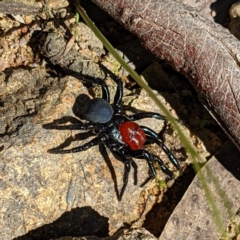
[{"x": 119, "y": 132}]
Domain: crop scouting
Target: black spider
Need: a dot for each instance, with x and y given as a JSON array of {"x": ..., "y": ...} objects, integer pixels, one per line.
[{"x": 125, "y": 138}]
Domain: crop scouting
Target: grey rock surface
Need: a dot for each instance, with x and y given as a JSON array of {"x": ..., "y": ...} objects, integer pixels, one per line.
[
  {"x": 124, "y": 234},
  {"x": 195, "y": 217},
  {"x": 38, "y": 187}
]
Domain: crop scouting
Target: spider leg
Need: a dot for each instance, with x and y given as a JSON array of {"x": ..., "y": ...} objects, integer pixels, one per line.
[
  {"x": 150, "y": 158},
  {"x": 119, "y": 92},
  {"x": 75, "y": 124},
  {"x": 93, "y": 142},
  {"x": 143, "y": 154},
  {"x": 127, "y": 167},
  {"x": 152, "y": 137},
  {"x": 148, "y": 131},
  {"x": 105, "y": 91},
  {"x": 142, "y": 115},
  {"x": 163, "y": 167},
  {"x": 76, "y": 137}
]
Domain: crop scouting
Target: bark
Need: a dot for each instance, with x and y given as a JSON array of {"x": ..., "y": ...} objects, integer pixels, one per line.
[{"x": 206, "y": 53}]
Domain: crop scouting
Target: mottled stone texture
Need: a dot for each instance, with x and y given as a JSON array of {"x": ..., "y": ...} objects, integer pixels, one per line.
[
  {"x": 124, "y": 234},
  {"x": 37, "y": 187},
  {"x": 193, "y": 218}
]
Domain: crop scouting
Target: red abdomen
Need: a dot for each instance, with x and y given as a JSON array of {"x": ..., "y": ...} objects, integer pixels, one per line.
[{"x": 132, "y": 135}]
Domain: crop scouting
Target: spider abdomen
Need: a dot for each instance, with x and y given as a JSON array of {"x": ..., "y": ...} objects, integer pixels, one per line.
[
  {"x": 99, "y": 111},
  {"x": 132, "y": 135}
]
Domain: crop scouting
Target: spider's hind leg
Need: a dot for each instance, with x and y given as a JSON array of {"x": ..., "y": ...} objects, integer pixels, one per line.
[
  {"x": 85, "y": 78},
  {"x": 119, "y": 92}
]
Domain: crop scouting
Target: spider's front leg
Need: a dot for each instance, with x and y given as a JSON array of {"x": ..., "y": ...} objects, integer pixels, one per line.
[
  {"x": 141, "y": 115},
  {"x": 152, "y": 137},
  {"x": 144, "y": 154}
]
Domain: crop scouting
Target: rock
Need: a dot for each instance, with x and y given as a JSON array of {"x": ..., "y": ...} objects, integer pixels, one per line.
[
  {"x": 195, "y": 217},
  {"x": 123, "y": 234},
  {"x": 37, "y": 187}
]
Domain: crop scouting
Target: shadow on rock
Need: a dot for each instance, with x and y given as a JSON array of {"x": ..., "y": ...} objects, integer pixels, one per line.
[
  {"x": 221, "y": 9},
  {"x": 229, "y": 156},
  {"x": 157, "y": 218},
  {"x": 78, "y": 222}
]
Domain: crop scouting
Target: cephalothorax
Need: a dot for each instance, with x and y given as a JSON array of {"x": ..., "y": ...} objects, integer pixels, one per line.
[{"x": 125, "y": 138}]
